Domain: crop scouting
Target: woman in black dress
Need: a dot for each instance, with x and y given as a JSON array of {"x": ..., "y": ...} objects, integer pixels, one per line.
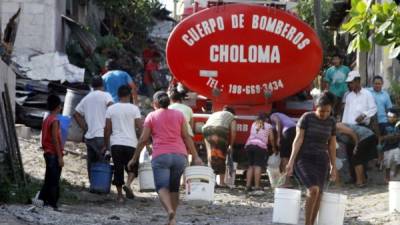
[{"x": 314, "y": 149}]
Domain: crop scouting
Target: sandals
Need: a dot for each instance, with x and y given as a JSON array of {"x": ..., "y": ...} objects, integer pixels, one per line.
[
  {"x": 248, "y": 190},
  {"x": 217, "y": 186},
  {"x": 120, "y": 200},
  {"x": 258, "y": 191},
  {"x": 128, "y": 192},
  {"x": 171, "y": 218},
  {"x": 363, "y": 185}
]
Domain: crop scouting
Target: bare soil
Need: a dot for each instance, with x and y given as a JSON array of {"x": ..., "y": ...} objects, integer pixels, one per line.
[{"x": 367, "y": 206}]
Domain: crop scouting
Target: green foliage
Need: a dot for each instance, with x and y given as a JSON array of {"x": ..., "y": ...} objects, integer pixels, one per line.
[
  {"x": 305, "y": 11},
  {"x": 5, "y": 189},
  {"x": 128, "y": 23},
  {"x": 395, "y": 87},
  {"x": 13, "y": 193},
  {"x": 92, "y": 63},
  {"x": 377, "y": 23},
  {"x": 108, "y": 42},
  {"x": 130, "y": 20}
]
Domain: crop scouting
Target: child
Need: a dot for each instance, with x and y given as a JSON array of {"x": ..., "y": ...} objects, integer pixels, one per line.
[
  {"x": 390, "y": 141},
  {"x": 53, "y": 153},
  {"x": 122, "y": 119}
]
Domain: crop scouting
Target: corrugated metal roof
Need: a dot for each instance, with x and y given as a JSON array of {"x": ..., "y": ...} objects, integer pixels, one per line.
[{"x": 86, "y": 39}]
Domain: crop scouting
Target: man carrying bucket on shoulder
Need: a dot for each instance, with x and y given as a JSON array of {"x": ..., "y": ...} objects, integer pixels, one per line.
[{"x": 122, "y": 119}]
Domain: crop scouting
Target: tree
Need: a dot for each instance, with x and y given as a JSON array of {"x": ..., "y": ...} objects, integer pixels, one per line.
[
  {"x": 377, "y": 23},
  {"x": 306, "y": 11},
  {"x": 130, "y": 20},
  {"x": 317, "y": 17}
]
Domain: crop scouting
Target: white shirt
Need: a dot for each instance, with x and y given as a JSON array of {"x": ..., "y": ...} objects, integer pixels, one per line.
[
  {"x": 123, "y": 117},
  {"x": 357, "y": 104},
  {"x": 187, "y": 113},
  {"x": 93, "y": 108}
]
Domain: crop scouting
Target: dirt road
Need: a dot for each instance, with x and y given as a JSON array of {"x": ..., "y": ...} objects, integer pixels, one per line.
[{"x": 367, "y": 206}]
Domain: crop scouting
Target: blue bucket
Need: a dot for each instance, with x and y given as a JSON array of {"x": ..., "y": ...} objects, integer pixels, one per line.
[{"x": 100, "y": 177}]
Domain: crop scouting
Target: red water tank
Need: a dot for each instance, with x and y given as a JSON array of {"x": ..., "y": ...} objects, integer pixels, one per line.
[{"x": 244, "y": 54}]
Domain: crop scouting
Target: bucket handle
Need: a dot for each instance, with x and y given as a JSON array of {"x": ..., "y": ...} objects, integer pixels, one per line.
[{"x": 282, "y": 180}]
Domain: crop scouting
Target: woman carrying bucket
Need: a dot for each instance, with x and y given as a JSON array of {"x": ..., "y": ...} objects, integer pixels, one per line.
[
  {"x": 168, "y": 130},
  {"x": 313, "y": 148},
  {"x": 261, "y": 134}
]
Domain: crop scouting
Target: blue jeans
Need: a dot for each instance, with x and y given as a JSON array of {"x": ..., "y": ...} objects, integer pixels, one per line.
[
  {"x": 167, "y": 171},
  {"x": 50, "y": 191}
]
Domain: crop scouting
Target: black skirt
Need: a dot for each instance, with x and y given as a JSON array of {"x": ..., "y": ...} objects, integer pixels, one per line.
[{"x": 312, "y": 169}]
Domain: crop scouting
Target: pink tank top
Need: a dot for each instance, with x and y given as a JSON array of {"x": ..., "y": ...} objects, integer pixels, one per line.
[{"x": 260, "y": 137}]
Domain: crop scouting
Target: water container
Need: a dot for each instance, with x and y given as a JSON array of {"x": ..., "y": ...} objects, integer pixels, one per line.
[
  {"x": 23, "y": 131},
  {"x": 100, "y": 177},
  {"x": 274, "y": 176},
  {"x": 72, "y": 99},
  {"x": 286, "y": 206},
  {"x": 200, "y": 183},
  {"x": 331, "y": 211},
  {"x": 146, "y": 177},
  {"x": 65, "y": 122},
  {"x": 394, "y": 196}
]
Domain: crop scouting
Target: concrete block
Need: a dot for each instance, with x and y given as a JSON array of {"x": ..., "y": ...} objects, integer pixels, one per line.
[
  {"x": 37, "y": 20},
  {"x": 10, "y": 7},
  {"x": 33, "y": 8},
  {"x": 23, "y": 131}
]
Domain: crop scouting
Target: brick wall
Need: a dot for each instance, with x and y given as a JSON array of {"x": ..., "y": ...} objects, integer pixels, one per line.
[{"x": 40, "y": 23}]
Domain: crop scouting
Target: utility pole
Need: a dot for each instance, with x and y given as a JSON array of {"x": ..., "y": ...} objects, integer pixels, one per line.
[
  {"x": 175, "y": 9},
  {"x": 317, "y": 17}
]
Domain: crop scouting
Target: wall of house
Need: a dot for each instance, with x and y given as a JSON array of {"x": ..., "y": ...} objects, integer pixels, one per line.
[
  {"x": 6, "y": 76},
  {"x": 39, "y": 25},
  {"x": 377, "y": 62}
]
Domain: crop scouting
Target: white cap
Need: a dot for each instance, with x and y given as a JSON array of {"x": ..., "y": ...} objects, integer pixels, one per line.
[{"x": 352, "y": 75}]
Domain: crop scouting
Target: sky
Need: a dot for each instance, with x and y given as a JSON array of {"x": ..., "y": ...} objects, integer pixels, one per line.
[{"x": 168, "y": 3}]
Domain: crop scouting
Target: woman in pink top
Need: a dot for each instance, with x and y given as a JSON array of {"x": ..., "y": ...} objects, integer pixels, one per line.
[
  {"x": 261, "y": 134},
  {"x": 168, "y": 130}
]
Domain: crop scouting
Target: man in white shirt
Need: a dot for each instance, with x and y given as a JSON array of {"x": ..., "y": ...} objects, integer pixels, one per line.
[
  {"x": 122, "y": 119},
  {"x": 90, "y": 115},
  {"x": 359, "y": 104}
]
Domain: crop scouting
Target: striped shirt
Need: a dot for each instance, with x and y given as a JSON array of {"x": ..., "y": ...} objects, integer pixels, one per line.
[{"x": 317, "y": 133}]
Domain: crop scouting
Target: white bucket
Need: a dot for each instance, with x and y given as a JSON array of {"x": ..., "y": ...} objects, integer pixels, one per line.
[
  {"x": 200, "y": 182},
  {"x": 146, "y": 178},
  {"x": 274, "y": 176},
  {"x": 331, "y": 211},
  {"x": 286, "y": 206},
  {"x": 394, "y": 196},
  {"x": 23, "y": 131}
]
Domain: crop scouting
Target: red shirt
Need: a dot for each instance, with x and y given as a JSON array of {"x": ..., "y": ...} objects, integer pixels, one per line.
[
  {"x": 147, "y": 55},
  {"x": 47, "y": 142},
  {"x": 150, "y": 67}
]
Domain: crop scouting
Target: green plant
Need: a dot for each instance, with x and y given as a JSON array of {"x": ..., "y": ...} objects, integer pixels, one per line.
[
  {"x": 305, "y": 10},
  {"x": 5, "y": 189},
  {"x": 377, "y": 23},
  {"x": 130, "y": 20},
  {"x": 395, "y": 91}
]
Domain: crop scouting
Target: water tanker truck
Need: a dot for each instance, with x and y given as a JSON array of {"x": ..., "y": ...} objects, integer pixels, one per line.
[{"x": 251, "y": 57}]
